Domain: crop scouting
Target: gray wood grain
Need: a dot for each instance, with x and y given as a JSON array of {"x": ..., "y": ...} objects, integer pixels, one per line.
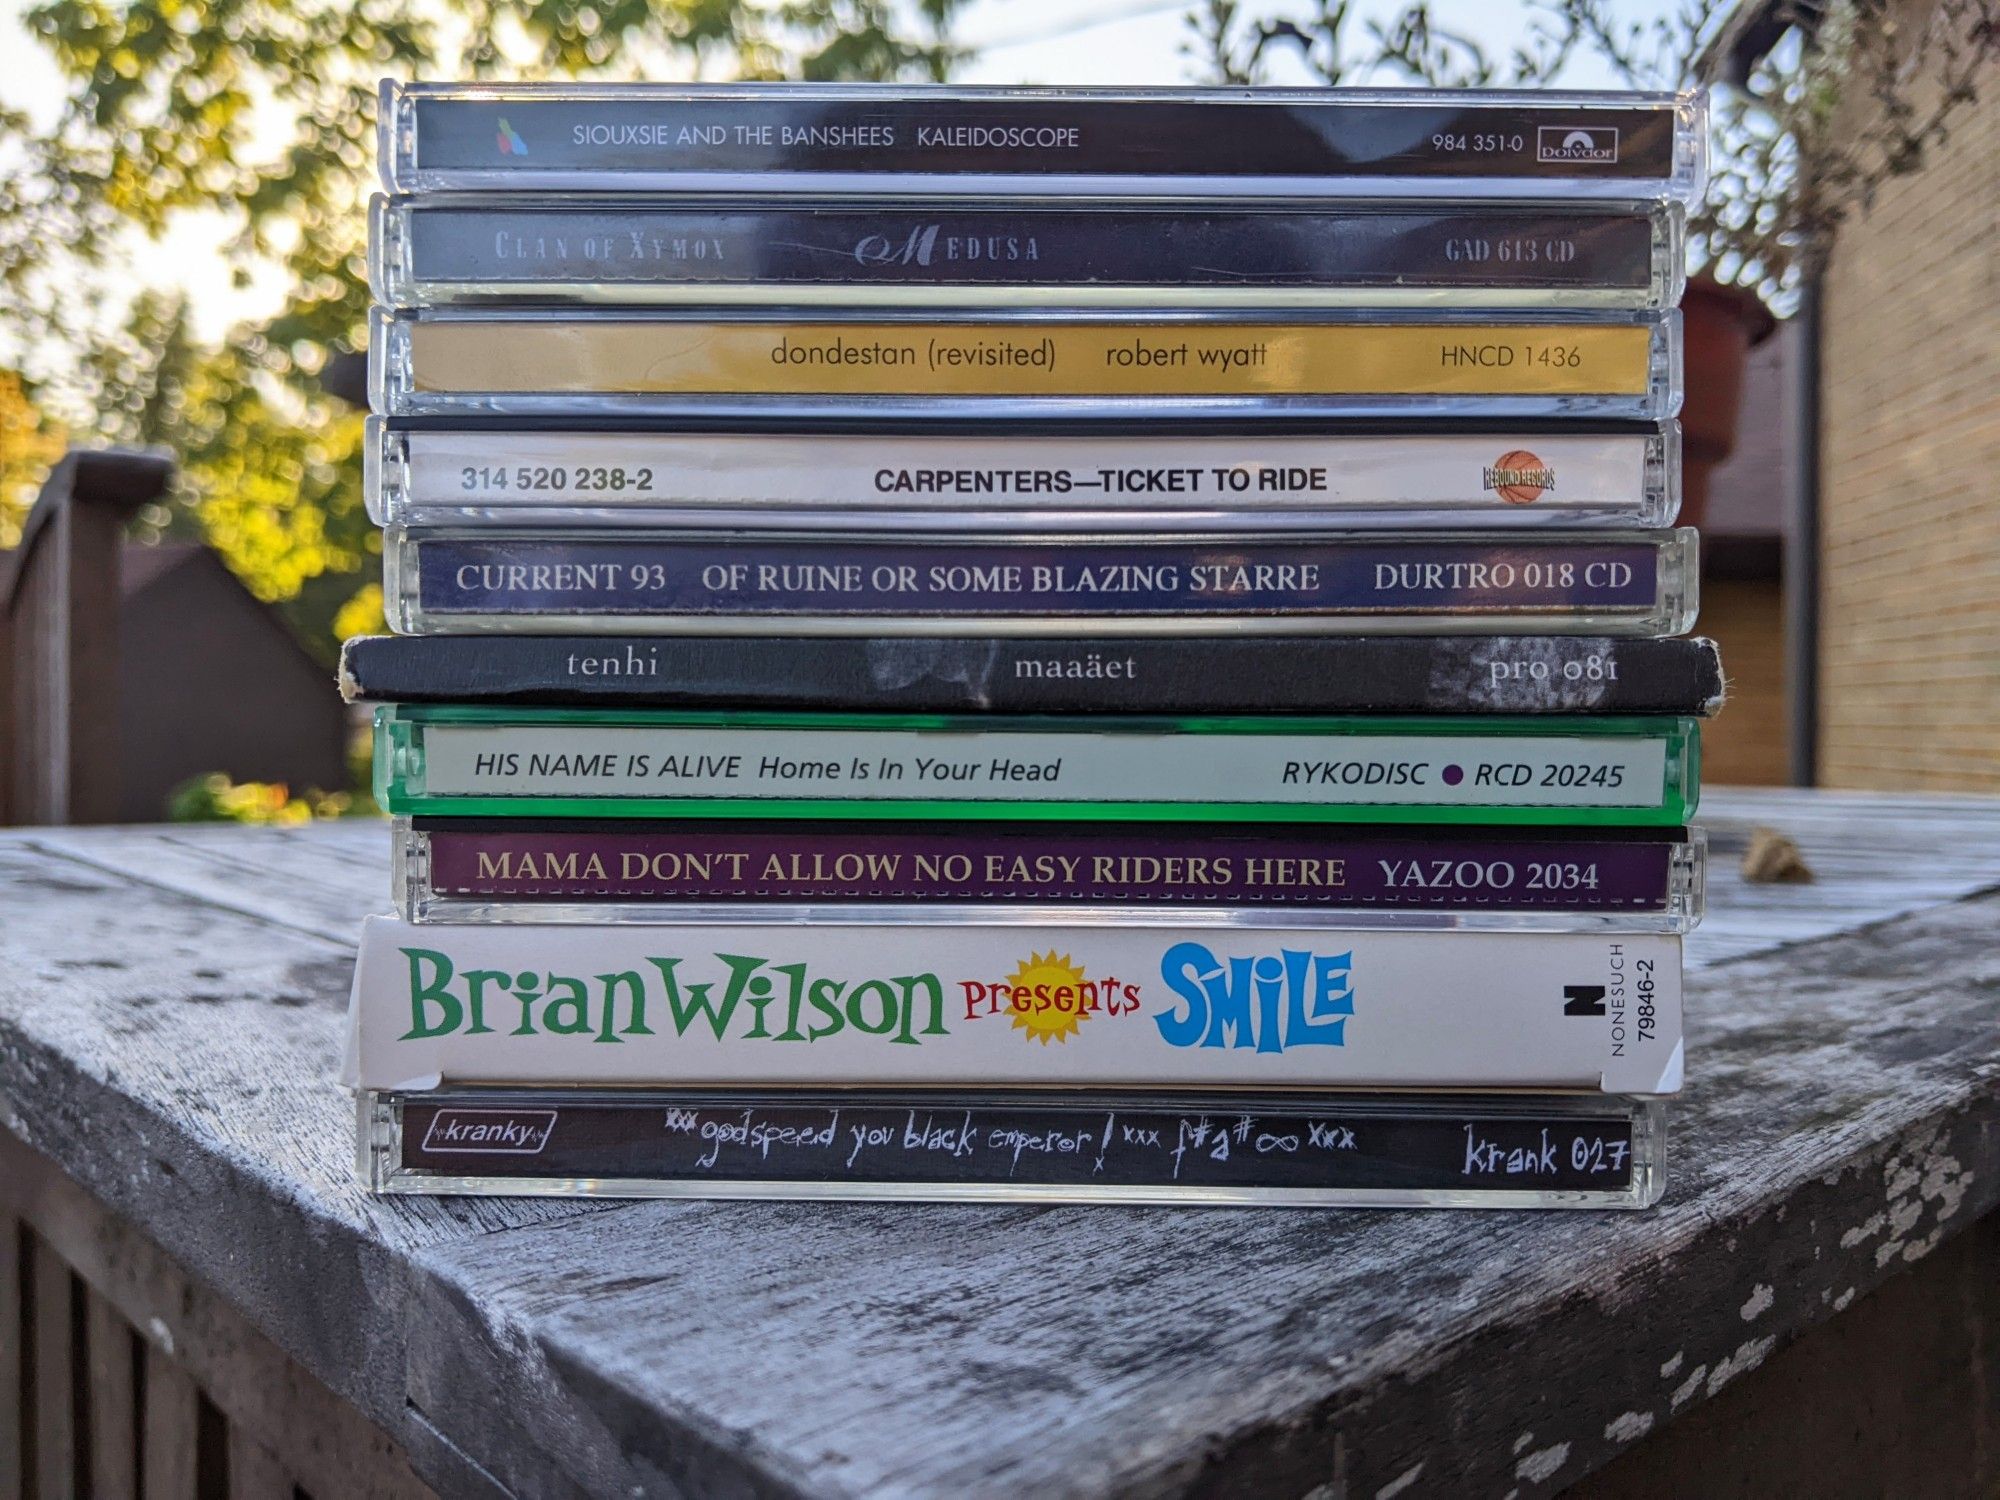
[
  {"x": 114, "y": 1416},
  {"x": 169, "y": 1443},
  {"x": 54, "y": 1371},
  {"x": 170, "y": 1018},
  {"x": 1876, "y": 856},
  {"x": 253, "y": 1473}
]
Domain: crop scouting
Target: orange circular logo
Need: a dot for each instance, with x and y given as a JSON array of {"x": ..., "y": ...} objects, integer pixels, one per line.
[{"x": 1520, "y": 478}]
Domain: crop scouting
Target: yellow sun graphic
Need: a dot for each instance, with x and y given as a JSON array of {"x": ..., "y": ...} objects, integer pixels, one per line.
[{"x": 1047, "y": 997}]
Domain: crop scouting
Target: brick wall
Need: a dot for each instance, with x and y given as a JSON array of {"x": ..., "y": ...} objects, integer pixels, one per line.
[{"x": 1910, "y": 497}]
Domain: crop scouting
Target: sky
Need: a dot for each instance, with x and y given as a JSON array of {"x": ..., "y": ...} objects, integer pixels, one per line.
[
  {"x": 1139, "y": 41},
  {"x": 1015, "y": 41}
]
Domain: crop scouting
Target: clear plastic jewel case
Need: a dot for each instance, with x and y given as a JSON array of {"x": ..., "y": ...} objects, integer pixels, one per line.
[
  {"x": 888, "y": 140},
  {"x": 1524, "y": 475},
  {"x": 1062, "y": 367},
  {"x": 433, "y": 250},
  {"x": 783, "y": 582},
  {"x": 1299, "y": 1149},
  {"x": 664, "y": 870}
]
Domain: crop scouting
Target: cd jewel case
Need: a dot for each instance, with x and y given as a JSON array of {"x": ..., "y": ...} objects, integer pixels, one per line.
[
  {"x": 1188, "y": 1150},
  {"x": 433, "y": 251},
  {"x": 910, "y": 583},
  {"x": 1526, "y": 475},
  {"x": 448, "y": 759},
  {"x": 883, "y": 140},
  {"x": 1010, "y": 364},
  {"x": 457, "y": 869},
  {"x": 1030, "y": 645}
]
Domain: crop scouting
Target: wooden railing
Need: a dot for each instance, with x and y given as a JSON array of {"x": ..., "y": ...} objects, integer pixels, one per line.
[
  {"x": 123, "y": 1378},
  {"x": 59, "y": 638}
]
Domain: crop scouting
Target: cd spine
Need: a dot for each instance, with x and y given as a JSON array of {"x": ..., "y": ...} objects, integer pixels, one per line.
[
  {"x": 624, "y": 763},
  {"x": 1052, "y": 583},
  {"x": 934, "y": 141},
  {"x": 1534, "y": 477},
  {"x": 1178, "y": 1149},
  {"x": 663, "y": 871},
  {"x": 1070, "y": 1006},
  {"x": 1008, "y": 365},
  {"x": 1109, "y": 675},
  {"x": 441, "y": 251}
]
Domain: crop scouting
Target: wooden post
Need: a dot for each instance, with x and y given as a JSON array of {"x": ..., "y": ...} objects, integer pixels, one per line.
[
  {"x": 13, "y": 1358},
  {"x": 114, "y": 1406},
  {"x": 169, "y": 1438},
  {"x": 59, "y": 593},
  {"x": 54, "y": 1375}
]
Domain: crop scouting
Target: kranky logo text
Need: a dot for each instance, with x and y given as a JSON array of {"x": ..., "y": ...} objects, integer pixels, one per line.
[{"x": 511, "y": 1132}]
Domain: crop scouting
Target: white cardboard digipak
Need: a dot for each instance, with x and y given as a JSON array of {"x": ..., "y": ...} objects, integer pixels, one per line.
[{"x": 901, "y": 1004}]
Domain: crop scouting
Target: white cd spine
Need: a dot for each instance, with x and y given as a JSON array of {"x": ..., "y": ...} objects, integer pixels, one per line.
[
  {"x": 1526, "y": 478},
  {"x": 946, "y": 1006}
]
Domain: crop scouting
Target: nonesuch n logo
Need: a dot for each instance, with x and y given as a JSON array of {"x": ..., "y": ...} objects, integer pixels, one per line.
[
  {"x": 512, "y": 1132},
  {"x": 1583, "y": 1000},
  {"x": 1577, "y": 143}
]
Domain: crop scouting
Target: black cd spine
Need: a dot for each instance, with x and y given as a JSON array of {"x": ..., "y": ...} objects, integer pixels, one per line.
[{"x": 1420, "y": 675}]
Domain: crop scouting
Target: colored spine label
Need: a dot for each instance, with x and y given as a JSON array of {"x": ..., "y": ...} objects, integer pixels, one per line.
[
  {"x": 1308, "y": 767},
  {"x": 1115, "y": 864},
  {"x": 1012, "y": 358},
  {"x": 1056, "y": 578}
]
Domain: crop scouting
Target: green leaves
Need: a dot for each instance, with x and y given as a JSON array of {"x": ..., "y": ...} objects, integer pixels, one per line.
[
  {"x": 1849, "y": 99},
  {"x": 264, "y": 111}
]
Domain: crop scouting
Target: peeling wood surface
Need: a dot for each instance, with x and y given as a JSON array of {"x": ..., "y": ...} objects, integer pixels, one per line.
[{"x": 170, "y": 1013}]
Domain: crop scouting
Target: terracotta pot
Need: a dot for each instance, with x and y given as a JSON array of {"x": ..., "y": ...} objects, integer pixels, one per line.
[{"x": 1719, "y": 326}]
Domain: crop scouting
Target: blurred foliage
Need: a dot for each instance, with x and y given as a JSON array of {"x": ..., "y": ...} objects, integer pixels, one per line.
[
  {"x": 29, "y": 444},
  {"x": 217, "y": 799},
  {"x": 263, "y": 111},
  {"x": 1860, "y": 92},
  {"x": 361, "y": 615}
]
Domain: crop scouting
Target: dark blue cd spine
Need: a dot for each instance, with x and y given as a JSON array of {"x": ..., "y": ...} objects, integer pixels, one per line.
[{"x": 1635, "y": 582}]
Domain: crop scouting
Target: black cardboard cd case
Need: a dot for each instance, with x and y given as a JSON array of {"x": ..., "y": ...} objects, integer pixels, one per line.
[{"x": 1368, "y": 674}]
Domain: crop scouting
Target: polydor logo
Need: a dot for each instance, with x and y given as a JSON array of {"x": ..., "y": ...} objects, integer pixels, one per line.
[{"x": 1577, "y": 143}]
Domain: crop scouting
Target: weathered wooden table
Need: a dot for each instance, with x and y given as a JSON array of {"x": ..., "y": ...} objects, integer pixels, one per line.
[{"x": 192, "y": 1283}]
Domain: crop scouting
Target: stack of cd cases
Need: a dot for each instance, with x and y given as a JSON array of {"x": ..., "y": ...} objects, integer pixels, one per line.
[{"x": 1067, "y": 645}]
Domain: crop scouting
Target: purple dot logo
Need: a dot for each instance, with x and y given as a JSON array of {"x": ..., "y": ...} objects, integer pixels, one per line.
[{"x": 1453, "y": 775}]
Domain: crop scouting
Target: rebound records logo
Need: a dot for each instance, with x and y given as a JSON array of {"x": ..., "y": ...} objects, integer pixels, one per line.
[{"x": 1519, "y": 477}]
